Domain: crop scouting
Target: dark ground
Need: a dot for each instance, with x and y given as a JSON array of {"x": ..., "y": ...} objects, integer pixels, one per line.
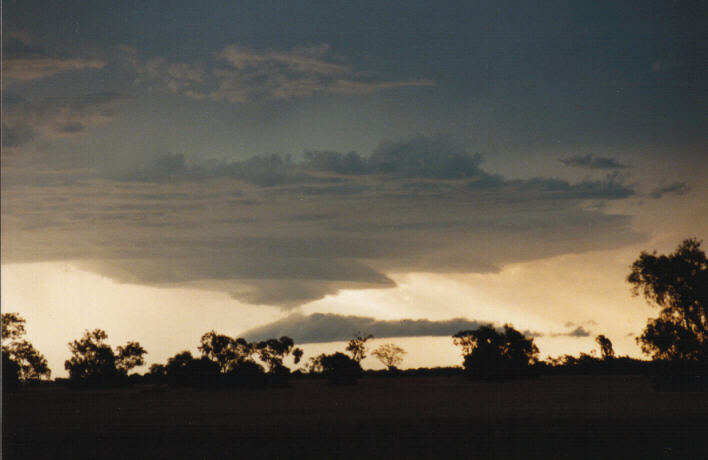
[{"x": 425, "y": 417}]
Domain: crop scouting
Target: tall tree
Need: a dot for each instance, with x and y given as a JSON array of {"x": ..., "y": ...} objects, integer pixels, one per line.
[
  {"x": 93, "y": 359},
  {"x": 227, "y": 352},
  {"x": 677, "y": 284},
  {"x": 357, "y": 346},
  {"x": 389, "y": 355},
  {"x": 31, "y": 363},
  {"x": 605, "y": 347}
]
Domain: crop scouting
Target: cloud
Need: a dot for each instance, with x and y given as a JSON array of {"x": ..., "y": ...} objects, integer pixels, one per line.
[
  {"x": 579, "y": 331},
  {"x": 319, "y": 327},
  {"x": 590, "y": 161},
  {"x": 676, "y": 188},
  {"x": 284, "y": 231},
  {"x": 22, "y": 63},
  {"x": 240, "y": 74},
  {"x": 23, "y": 121}
]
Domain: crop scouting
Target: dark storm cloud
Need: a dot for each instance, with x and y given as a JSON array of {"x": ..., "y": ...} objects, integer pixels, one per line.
[
  {"x": 273, "y": 230},
  {"x": 676, "y": 188},
  {"x": 590, "y": 161},
  {"x": 320, "y": 327}
]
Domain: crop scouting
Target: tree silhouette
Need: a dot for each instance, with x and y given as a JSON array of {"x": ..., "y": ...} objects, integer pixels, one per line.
[
  {"x": 605, "y": 347},
  {"x": 30, "y": 362},
  {"x": 340, "y": 369},
  {"x": 489, "y": 353},
  {"x": 227, "y": 352},
  {"x": 357, "y": 346},
  {"x": 93, "y": 361},
  {"x": 678, "y": 284},
  {"x": 273, "y": 351},
  {"x": 390, "y": 355}
]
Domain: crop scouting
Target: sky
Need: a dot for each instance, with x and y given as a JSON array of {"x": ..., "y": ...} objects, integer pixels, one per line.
[{"x": 317, "y": 169}]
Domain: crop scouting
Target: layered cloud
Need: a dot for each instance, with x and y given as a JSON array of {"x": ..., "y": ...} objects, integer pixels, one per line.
[
  {"x": 283, "y": 231},
  {"x": 590, "y": 161},
  {"x": 23, "y": 63},
  {"x": 675, "y": 188},
  {"x": 239, "y": 74},
  {"x": 319, "y": 327},
  {"x": 54, "y": 117}
]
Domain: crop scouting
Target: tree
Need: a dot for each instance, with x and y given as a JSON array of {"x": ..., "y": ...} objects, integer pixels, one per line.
[
  {"x": 340, "y": 369},
  {"x": 490, "y": 353},
  {"x": 390, "y": 355},
  {"x": 31, "y": 363},
  {"x": 184, "y": 370},
  {"x": 273, "y": 351},
  {"x": 94, "y": 361},
  {"x": 129, "y": 356},
  {"x": 678, "y": 285},
  {"x": 605, "y": 347},
  {"x": 357, "y": 346},
  {"x": 227, "y": 352}
]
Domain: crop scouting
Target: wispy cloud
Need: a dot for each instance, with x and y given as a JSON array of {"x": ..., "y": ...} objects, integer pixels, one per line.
[
  {"x": 22, "y": 63},
  {"x": 23, "y": 121},
  {"x": 240, "y": 74},
  {"x": 676, "y": 188},
  {"x": 590, "y": 161}
]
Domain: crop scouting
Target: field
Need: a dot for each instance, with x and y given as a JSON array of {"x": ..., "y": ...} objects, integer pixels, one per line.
[{"x": 425, "y": 417}]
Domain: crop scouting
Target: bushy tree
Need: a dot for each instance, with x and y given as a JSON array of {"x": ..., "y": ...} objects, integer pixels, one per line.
[
  {"x": 489, "y": 353},
  {"x": 357, "y": 346},
  {"x": 94, "y": 362},
  {"x": 184, "y": 370},
  {"x": 340, "y": 369},
  {"x": 273, "y": 351},
  {"x": 389, "y": 355},
  {"x": 678, "y": 285},
  {"x": 227, "y": 352},
  {"x": 31, "y": 363}
]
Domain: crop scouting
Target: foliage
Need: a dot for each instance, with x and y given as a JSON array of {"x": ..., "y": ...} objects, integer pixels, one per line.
[
  {"x": 489, "y": 353},
  {"x": 390, "y": 355},
  {"x": 678, "y": 284},
  {"x": 273, "y": 351},
  {"x": 227, "y": 352},
  {"x": 357, "y": 346},
  {"x": 94, "y": 362},
  {"x": 10, "y": 374},
  {"x": 184, "y": 370},
  {"x": 605, "y": 347},
  {"x": 340, "y": 369},
  {"x": 31, "y": 363}
]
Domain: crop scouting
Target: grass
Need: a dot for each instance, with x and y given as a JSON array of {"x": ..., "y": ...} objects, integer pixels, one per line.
[{"x": 426, "y": 417}]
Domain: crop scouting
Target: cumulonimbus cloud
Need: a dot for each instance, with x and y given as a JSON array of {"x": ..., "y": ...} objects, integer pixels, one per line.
[{"x": 284, "y": 231}]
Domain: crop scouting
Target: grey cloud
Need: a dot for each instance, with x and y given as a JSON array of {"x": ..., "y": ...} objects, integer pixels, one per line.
[
  {"x": 579, "y": 331},
  {"x": 23, "y": 63},
  {"x": 279, "y": 231},
  {"x": 320, "y": 327},
  {"x": 55, "y": 117},
  {"x": 676, "y": 188},
  {"x": 241, "y": 74},
  {"x": 590, "y": 161}
]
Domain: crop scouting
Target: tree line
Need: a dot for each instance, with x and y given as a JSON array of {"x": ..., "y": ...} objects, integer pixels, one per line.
[{"x": 677, "y": 340}]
